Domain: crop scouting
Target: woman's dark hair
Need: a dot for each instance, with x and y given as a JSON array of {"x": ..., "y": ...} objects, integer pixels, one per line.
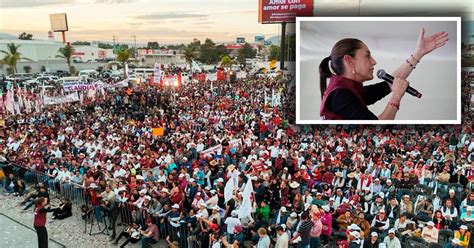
[
  {"x": 39, "y": 201},
  {"x": 347, "y": 46}
]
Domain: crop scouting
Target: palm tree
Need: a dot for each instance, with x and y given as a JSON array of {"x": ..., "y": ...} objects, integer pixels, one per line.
[
  {"x": 12, "y": 56},
  {"x": 66, "y": 53},
  {"x": 123, "y": 56},
  {"x": 190, "y": 53},
  {"x": 226, "y": 62}
]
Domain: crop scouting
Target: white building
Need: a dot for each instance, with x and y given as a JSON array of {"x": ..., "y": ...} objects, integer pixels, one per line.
[
  {"x": 42, "y": 53},
  {"x": 92, "y": 53}
]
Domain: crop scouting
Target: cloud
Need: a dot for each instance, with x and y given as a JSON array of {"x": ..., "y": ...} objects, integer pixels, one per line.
[
  {"x": 170, "y": 15},
  {"x": 162, "y": 35},
  {"x": 114, "y": 1},
  {"x": 31, "y": 3}
]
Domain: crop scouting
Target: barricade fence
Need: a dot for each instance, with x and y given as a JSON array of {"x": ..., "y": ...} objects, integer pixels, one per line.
[
  {"x": 128, "y": 213},
  {"x": 177, "y": 230},
  {"x": 76, "y": 193}
]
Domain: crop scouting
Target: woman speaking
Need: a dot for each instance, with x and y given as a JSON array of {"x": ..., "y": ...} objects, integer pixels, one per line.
[
  {"x": 351, "y": 64},
  {"x": 40, "y": 221}
]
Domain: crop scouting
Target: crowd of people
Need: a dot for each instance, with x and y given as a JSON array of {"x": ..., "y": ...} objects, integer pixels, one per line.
[{"x": 231, "y": 171}]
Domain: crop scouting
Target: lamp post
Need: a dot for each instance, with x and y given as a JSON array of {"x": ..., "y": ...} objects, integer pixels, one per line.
[{"x": 47, "y": 64}]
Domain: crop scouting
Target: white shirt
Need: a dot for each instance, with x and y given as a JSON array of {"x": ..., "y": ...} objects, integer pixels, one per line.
[
  {"x": 282, "y": 241},
  {"x": 119, "y": 173},
  {"x": 392, "y": 243},
  {"x": 231, "y": 223},
  {"x": 274, "y": 150}
]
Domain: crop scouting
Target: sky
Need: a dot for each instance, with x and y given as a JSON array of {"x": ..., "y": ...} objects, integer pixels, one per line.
[
  {"x": 168, "y": 22},
  {"x": 179, "y": 21}
]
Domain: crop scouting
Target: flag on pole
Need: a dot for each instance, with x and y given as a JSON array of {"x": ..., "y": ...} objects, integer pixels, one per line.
[
  {"x": 196, "y": 67},
  {"x": 20, "y": 98},
  {"x": 157, "y": 73},
  {"x": 9, "y": 102},
  {"x": 2, "y": 106},
  {"x": 229, "y": 189},
  {"x": 246, "y": 209}
]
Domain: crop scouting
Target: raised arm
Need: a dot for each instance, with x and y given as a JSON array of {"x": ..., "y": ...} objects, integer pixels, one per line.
[{"x": 424, "y": 46}]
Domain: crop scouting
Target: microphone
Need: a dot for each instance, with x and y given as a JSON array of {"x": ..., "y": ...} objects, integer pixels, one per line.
[{"x": 389, "y": 79}]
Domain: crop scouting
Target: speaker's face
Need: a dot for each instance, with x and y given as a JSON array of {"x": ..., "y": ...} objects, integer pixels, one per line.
[{"x": 363, "y": 64}]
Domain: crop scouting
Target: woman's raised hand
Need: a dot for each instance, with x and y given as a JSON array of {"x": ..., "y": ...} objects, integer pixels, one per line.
[{"x": 427, "y": 44}]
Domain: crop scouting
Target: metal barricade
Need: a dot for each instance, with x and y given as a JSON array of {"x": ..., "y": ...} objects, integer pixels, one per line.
[{"x": 74, "y": 192}]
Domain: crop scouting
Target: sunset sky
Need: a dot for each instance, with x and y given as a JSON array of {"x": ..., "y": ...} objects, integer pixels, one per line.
[{"x": 172, "y": 21}]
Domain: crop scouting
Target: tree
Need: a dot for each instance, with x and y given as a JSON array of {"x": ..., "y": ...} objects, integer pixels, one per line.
[
  {"x": 274, "y": 52},
  {"x": 123, "y": 56},
  {"x": 226, "y": 62},
  {"x": 66, "y": 53},
  {"x": 208, "y": 55},
  {"x": 221, "y": 51},
  {"x": 105, "y": 46},
  {"x": 25, "y": 36},
  {"x": 12, "y": 56},
  {"x": 27, "y": 68},
  {"x": 190, "y": 53},
  {"x": 180, "y": 47},
  {"x": 246, "y": 52},
  {"x": 153, "y": 45},
  {"x": 81, "y": 43}
]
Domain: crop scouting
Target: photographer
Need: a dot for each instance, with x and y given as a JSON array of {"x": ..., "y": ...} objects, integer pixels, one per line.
[
  {"x": 63, "y": 211},
  {"x": 109, "y": 207},
  {"x": 132, "y": 233},
  {"x": 150, "y": 235},
  {"x": 31, "y": 197},
  {"x": 14, "y": 185}
]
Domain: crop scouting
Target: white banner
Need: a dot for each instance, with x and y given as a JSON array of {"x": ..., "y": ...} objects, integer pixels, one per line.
[
  {"x": 121, "y": 84},
  {"x": 235, "y": 142},
  {"x": 77, "y": 86},
  {"x": 241, "y": 74},
  {"x": 73, "y": 97},
  {"x": 157, "y": 73},
  {"x": 212, "y": 149},
  {"x": 211, "y": 77}
]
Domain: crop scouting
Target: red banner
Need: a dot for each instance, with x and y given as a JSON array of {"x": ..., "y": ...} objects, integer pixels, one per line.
[
  {"x": 220, "y": 75},
  {"x": 275, "y": 11}
]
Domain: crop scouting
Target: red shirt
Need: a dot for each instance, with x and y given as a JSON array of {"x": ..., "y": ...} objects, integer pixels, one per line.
[{"x": 40, "y": 217}]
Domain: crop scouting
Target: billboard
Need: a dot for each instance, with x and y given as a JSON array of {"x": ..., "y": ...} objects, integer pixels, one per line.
[
  {"x": 277, "y": 11},
  {"x": 240, "y": 40},
  {"x": 58, "y": 22}
]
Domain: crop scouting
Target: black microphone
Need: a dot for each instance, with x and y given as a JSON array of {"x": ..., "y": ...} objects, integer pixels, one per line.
[{"x": 389, "y": 79}]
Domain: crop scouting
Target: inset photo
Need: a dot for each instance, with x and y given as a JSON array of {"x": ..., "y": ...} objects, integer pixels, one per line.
[{"x": 378, "y": 70}]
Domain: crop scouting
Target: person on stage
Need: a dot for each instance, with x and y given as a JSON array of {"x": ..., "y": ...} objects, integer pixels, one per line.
[
  {"x": 350, "y": 64},
  {"x": 40, "y": 221}
]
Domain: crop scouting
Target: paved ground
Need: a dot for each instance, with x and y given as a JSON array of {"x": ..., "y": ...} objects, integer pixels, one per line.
[
  {"x": 69, "y": 232},
  {"x": 15, "y": 235}
]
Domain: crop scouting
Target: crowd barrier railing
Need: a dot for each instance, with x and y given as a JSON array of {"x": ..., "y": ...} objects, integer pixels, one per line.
[{"x": 76, "y": 193}]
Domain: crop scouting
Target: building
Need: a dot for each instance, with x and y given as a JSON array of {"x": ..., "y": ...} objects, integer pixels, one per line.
[
  {"x": 161, "y": 56},
  {"x": 234, "y": 49},
  {"x": 92, "y": 53},
  {"x": 42, "y": 55}
]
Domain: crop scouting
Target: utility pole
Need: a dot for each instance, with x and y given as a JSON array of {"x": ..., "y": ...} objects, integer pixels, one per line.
[
  {"x": 282, "y": 45},
  {"x": 114, "y": 39},
  {"x": 135, "y": 46}
]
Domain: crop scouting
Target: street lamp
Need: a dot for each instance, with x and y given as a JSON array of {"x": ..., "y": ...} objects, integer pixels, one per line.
[{"x": 47, "y": 64}]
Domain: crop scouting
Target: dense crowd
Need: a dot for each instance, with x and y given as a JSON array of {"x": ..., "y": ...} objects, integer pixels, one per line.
[{"x": 230, "y": 170}]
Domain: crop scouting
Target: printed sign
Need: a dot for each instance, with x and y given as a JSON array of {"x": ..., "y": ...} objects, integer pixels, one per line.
[{"x": 277, "y": 11}]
